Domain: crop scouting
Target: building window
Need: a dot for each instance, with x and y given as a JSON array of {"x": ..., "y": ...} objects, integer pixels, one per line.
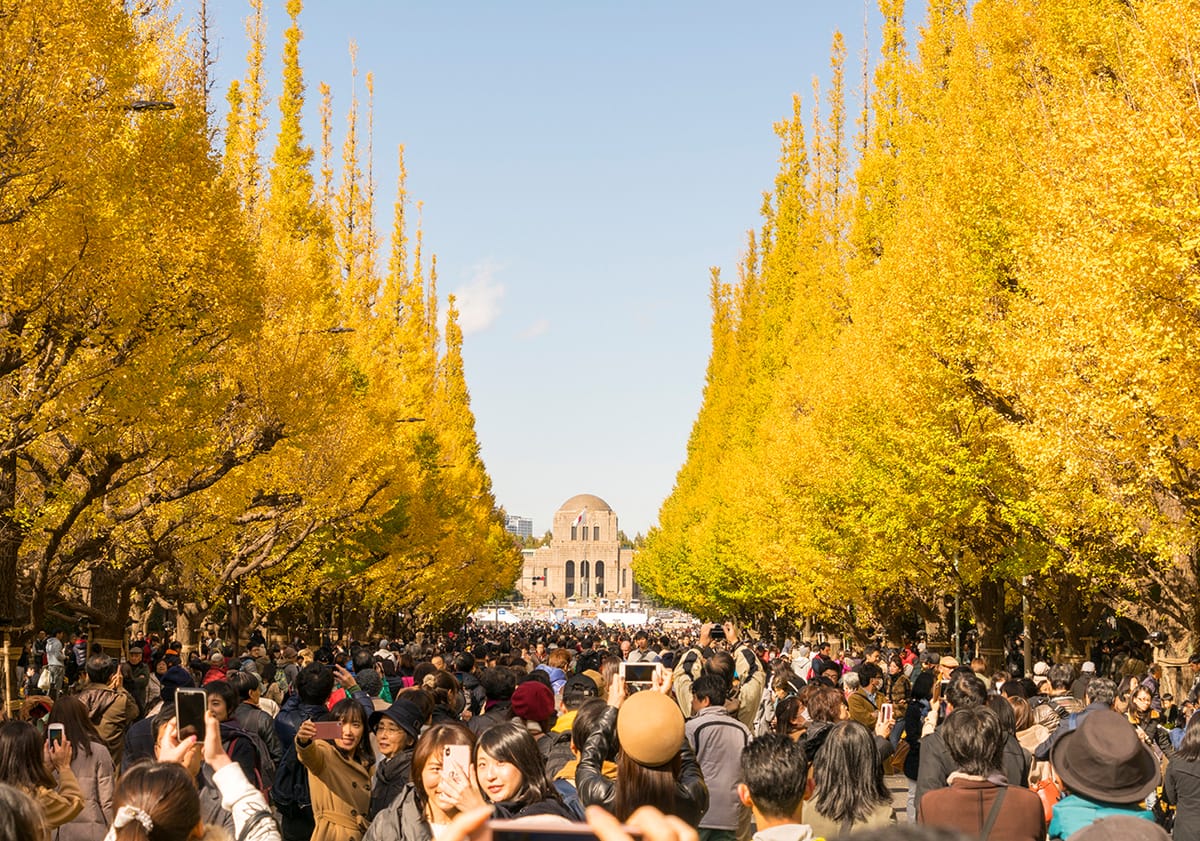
[
  {"x": 584, "y": 535},
  {"x": 595, "y": 532},
  {"x": 570, "y": 571},
  {"x": 545, "y": 576},
  {"x": 624, "y": 581},
  {"x": 584, "y": 579},
  {"x": 599, "y": 570},
  {"x": 574, "y": 532}
]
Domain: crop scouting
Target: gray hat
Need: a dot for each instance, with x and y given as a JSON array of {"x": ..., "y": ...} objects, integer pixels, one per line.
[
  {"x": 369, "y": 682},
  {"x": 1088, "y": 666}
]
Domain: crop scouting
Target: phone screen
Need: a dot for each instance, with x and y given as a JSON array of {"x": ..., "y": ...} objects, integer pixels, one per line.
[
  {"x": 55, "y": 734},
  {"x": 190, "y": 705},
  {"x": 639, "y": 672}
]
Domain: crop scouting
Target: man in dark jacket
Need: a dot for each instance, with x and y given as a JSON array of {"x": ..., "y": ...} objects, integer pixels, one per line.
[
  {"x": 253, "y": 718},
  {"x": 1099, "y": 696},
  {"x": 476, "y": 696},
  {"x": 498, "y": 686},
  {"x": 964, "y": 690},
  {"x": 136, "y": 674},
  {"x": 314, "y": 685}
]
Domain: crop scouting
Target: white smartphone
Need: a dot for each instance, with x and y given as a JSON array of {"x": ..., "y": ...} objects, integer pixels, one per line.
[
  {"x": 639, "y": 673},
  {"x": 455, "y": 761},
  {"x": 55, "y": 734}
]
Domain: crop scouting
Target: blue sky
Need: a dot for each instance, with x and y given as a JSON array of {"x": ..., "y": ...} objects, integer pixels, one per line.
[{"x": 582, "y": 165}]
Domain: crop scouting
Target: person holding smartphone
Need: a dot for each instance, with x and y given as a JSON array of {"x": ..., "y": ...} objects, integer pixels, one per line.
[
  {"x": 339, "y": 771},
  {"x": 160, "y": 799},
  {"x": 29, "y": 762},
  {"x": 92, "y": 766},
  {"x": 655, "y": 764},
  {"x": 441, "y": 790}
]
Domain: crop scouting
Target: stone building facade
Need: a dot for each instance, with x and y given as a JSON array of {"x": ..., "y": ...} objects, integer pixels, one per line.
[{"x": 584, "y": 560}]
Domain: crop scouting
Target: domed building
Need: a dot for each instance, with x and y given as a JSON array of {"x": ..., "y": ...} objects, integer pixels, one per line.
[{"x": 584, "y": 560}]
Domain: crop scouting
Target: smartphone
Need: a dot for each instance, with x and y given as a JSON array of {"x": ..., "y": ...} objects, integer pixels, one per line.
[
  {"x": 885, "y": 711},
  {"x": 55, "y": 734},
  {"x": 541, "y": 829},
  {"x": 639, "y": 672},
  {"x": 190, "y": 704},
  {"x": 455, "y": 761},
  {"x": 328, "y": 729}
]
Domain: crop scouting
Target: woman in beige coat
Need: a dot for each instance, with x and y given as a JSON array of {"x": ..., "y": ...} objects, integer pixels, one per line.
[
  {"x": 339, "y": 774},
  {"x": 93, "y": 769},
  {"x": 24, "y": 765}
]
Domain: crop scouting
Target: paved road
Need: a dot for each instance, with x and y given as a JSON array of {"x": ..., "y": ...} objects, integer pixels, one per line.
[{"x": 898, "y": 785}]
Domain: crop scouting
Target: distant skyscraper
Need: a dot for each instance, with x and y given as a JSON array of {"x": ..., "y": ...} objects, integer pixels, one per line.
[{"x": 520, "y": 526}]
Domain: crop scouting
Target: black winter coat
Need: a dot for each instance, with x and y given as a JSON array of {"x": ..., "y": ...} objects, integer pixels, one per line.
[
  {"x": 391, "y": 777},
  {"x": 1181, "y": 786},
  {"x": 691, "y": 794}
]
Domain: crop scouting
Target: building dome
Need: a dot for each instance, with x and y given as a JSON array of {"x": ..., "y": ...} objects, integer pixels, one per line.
[{"x": 581, "y": 501}]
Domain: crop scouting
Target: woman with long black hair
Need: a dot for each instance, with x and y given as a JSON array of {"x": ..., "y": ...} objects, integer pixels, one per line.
[
  {"x": 511, "y": 773},
  {"x": 23, "y": 765},
  {"x": 1144, "y": 718},
  {"x": 339, "y": 775},
  {"x": 849, "y": 792},
  {"x": 432, "y": 799}
]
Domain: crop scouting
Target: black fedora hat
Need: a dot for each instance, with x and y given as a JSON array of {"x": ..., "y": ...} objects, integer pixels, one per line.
[
  {"x": 1103, "y": 759},
  {"x": 404, "y": 713}
]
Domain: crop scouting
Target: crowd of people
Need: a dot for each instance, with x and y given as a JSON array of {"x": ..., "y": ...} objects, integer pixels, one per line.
[{"x": 705, "y": 735}]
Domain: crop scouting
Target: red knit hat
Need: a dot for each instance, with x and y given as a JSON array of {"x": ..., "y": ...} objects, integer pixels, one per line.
[{"x": 533, "y": 701}]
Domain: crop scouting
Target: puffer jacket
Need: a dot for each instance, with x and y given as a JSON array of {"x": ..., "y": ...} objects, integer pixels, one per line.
[
  {"x": 691, "y": 794},
  {"x": 401, "y": 821}
]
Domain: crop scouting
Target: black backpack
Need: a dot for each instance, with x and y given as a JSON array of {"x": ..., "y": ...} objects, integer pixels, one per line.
[{"x": 290, "y": 792}]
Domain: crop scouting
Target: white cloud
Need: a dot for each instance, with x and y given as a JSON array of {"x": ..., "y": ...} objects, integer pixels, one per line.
[
  {"x": 538, "y": 328},
  {"x": 479, "y": 299}
]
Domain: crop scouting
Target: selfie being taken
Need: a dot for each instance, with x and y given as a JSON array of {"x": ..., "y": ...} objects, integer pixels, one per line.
[{"x": 599, "y": 421}]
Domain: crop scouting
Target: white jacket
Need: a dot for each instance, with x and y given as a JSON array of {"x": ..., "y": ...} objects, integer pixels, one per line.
[{"x": 244, "y": 801}]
